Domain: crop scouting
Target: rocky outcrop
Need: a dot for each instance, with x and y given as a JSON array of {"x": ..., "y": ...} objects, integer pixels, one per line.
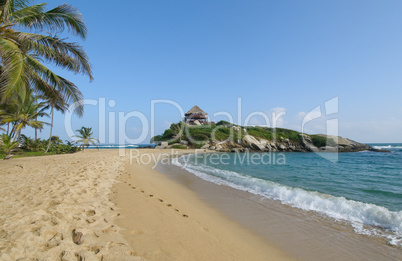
[
  {"x": 228, "y": 146},
  {"x": 337, "y": 144},
  {"x": 251, "y": 143},
  {"x": 254, "y": 139},
  {"x": 254, "y": 144}
]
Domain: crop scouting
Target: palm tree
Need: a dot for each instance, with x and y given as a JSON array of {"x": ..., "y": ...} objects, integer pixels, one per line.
[
  {"x": 24, "y": 111},
  {"x": 59, "y": 104},
  {"x": 8, "y": 146},
  {"x": 22, "y": 52},
  {"x": 85, "y": 138},
  {"x": 27, "y": 143}
]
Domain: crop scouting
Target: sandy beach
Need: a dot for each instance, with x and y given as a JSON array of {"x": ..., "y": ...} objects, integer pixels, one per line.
[{"x": 124, "y": 212}]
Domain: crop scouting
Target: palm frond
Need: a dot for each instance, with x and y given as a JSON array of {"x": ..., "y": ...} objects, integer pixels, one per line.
[
  {"x": 54, "y": 20},
  {"x": 69, "y": 56},
  {"x": 15, "y": 76}
]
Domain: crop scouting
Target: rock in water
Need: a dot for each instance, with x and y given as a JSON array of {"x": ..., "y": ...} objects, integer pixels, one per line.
[{"x": 78, "y": 237}]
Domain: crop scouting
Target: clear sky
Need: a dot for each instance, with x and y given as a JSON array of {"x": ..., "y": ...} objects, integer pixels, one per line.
[{"x": 275, "y": 55}]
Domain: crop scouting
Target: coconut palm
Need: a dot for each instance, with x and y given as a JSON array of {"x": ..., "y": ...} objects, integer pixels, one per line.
[
  {"x": 8, "y": 146},
  {"x": 85, "y": 138},
  {"x": 59, "y": 104},
  {"x": 24, "y": 111},
  {"x": 27, "y": 143},
  {"x": 23, "y": 50}
]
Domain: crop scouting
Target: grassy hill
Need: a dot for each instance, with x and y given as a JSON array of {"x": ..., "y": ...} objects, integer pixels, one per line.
[{"x": 196, "y": 136}]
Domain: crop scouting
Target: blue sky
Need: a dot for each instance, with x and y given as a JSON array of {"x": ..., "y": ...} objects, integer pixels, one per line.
[{"x": 275, "y": 55}]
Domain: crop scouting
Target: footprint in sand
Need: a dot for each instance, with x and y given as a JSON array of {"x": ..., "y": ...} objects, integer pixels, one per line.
[
  {"x": 161, "y": 200},
  {"x": 65, "y": 255},
  {"x": 90, "y": 221},
  {"x": 90, "y": 213},
  {"x": 109, "y": 229},
  {"x": 184, "y": 215},
  {"x": 151, "y": 195},
  {"x": 36, "y": 231},
  {"x": 95, "y": 249},
  {"x": 169, "y": 205},
  {"x": 131, "y": 253},
  {"x": 136, "y": 232}
]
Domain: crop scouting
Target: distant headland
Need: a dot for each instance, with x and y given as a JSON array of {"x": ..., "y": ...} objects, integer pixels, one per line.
[{"x": 196, "y": 131}]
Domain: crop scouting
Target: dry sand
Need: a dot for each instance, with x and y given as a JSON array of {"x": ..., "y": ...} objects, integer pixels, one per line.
[
  {"x": 125, "y": 212},
  {"x": 42, "y": 199}
]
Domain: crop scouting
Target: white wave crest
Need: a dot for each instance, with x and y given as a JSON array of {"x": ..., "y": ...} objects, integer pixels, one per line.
[
  {"x": 387, "y": 147},
  {"x": 358, "y": 213}
]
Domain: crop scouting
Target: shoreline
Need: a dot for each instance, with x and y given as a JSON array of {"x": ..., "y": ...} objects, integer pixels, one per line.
[
  {"x": 164, "y": 220},
  {"x": 131, "y": 212},
  {"x": 305, "y": 235}
]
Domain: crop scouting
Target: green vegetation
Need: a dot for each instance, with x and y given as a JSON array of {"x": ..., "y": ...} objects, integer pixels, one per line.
[
  {"x": 34, "y": 154},
  {"x": 198, "y": 135},
  {"x": 274, "y": 133},
  {"x": 29, "y": 42},
  {"x": 8, "y": 146},
  {"x": 23, "y": 110},
  {"x": 27, "y": 147},
  {"x": 85, "y": 138},
  {"x": 25, "y": 52},
  {"x": 320, "y": 141}
]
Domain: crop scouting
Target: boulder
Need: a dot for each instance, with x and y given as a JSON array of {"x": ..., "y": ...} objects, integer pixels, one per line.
[
  {"x": 282, "y": 147},
  {"x": 252, "y": 143},
  {"x": 329, "y": 149},
  {"x": 206, "y": 146},
  {"x": 343, "y": 144},
  {"x": 163, "y": 145}
]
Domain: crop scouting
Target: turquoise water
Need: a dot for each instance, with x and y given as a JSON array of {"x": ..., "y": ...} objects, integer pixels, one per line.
[{"x": 363, "y": 188}]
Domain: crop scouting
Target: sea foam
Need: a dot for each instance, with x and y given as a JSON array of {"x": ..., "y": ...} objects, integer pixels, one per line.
[{"x": 359, "y": 214}]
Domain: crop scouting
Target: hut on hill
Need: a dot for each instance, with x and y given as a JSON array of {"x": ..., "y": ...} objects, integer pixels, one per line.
[{"x": 196, "y": 116}]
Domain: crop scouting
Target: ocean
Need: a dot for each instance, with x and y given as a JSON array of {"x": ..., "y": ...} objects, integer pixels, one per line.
[{"x": 363, "y": 189}]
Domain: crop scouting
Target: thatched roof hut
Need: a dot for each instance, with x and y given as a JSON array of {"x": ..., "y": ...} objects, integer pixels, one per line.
[{"x": 196, "y": 114}]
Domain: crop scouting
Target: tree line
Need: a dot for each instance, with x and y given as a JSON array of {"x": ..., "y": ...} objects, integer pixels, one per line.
[{"x": 30, "y": 41}]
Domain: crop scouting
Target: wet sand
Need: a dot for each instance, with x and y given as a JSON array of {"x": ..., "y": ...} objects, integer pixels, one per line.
[
  {"x": 304, "y": 235},
  {"x": 164, "y": 220}
]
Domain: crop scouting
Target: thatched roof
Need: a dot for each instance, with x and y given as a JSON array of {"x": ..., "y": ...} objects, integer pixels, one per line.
[{"x": 196, "y": 110}]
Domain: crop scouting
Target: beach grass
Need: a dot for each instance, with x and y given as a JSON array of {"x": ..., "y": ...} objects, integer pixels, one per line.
[
  {"x": 34, "y": 154},
  {"x": 30, "y": 154}
]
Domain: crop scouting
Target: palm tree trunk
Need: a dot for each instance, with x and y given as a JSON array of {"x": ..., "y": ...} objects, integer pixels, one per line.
[
  {"x": 17, "y": 136},
  {"x": 51, "y": 130},
  {"x": 13, "y": 131},
  {"x": 36, "y": 130}
]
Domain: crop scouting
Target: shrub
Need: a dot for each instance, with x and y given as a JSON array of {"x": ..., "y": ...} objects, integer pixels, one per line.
[{"x": 318, "y": 141}]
